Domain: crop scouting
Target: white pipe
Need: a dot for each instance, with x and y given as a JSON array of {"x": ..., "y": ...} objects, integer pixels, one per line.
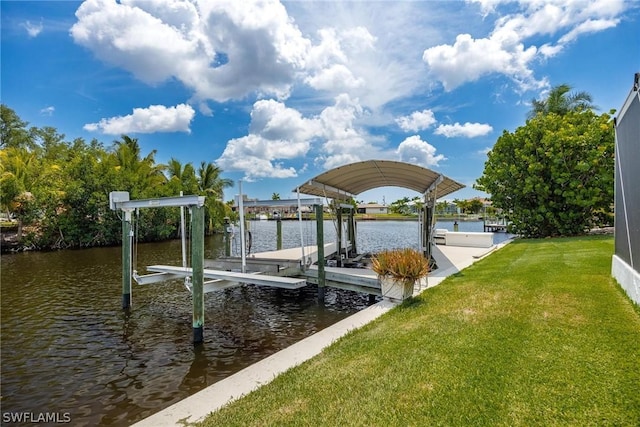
[
  {"x": 242, "y": 236},
  {"x": 127, "y": 218},
  {"x": 183, "y": 235},
  {"x": 304, "y": 261}
]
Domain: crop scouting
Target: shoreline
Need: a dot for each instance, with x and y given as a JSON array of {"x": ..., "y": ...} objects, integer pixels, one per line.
[{"x": 196, "y": 407}]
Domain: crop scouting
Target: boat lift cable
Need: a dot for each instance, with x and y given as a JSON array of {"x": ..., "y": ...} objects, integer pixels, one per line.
[
  {"x": 243, "y": 253},
  {"x": 186, "y": 254},
  {"x": 134, "y": 263},
  {"x": 301, "y": 228}
]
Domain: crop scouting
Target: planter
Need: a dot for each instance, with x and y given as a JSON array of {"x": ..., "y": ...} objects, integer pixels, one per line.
[{"x": 395, "y": 290}]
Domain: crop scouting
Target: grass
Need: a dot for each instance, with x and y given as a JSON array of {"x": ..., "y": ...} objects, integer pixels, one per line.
[{"x": 537, "y": 334}]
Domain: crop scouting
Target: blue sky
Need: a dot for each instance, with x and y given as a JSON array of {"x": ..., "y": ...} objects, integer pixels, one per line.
[{"x": 275, "y": 93}]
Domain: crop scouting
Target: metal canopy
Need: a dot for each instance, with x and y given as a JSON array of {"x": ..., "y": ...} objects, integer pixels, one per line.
[{"x": 350, "y": 180}]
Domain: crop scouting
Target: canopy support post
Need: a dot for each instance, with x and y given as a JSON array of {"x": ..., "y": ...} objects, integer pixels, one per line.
[
  {"x": 320, "y": 243},
  {"x": 351, "y": 230},
  {"x": 339, "y": 236}
]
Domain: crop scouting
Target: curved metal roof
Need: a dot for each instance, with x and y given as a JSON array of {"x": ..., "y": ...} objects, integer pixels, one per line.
[{"x": 350, "y": 180}]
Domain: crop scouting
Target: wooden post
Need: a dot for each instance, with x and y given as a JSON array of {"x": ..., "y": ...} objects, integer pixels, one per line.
[
  {"x": 227, "y": 236},
  {"x": 429, "y": 207},
  {"x": 426, "y": 229},
  {"x": 197, "y": 265},
  {"x": 351, "y": 231},
  {"x": 278, "y": 234},
  {"x": 320, "y": 243},
  {"x": 126, "y": 259}
]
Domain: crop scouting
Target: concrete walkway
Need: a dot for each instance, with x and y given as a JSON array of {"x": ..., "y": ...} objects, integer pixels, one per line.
[{"x": 196, "y": 407}]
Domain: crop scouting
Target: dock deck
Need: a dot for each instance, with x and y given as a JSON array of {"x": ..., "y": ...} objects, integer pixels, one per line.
[
  {"x": 283, "y": 269},
  {"x": 495, "y": 227},
  {"x": 295, "y": 254}
]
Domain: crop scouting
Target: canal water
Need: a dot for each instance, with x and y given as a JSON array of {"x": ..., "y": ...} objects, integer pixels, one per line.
[{"x": 69, "y": 349}]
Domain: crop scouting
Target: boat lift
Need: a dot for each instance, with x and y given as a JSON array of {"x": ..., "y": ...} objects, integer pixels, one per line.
[{"x": 119, "y": 200}]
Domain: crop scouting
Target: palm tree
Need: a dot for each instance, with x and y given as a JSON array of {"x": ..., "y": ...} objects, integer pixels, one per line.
[
  {"x": 143, "y": 175},
  {"x": 184, "y": 176},
  {"x": 560, "y": 101},
  {"x": 210, "y": 184},
  {"x": 275, "y": 196},
  {"x": 209, "y": 181}
]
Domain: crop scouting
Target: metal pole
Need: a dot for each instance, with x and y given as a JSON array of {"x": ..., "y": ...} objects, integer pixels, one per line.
[
  {"x": 320, "y": 243},
  {"x": 243, "y": 249},
  {"x": 304, "y": 263},
  {"x": 126, "y": 259},
  {"x": 183, "y": 236},
  {"x": 339, "y": 248},
  {"x": 197, "y": 272}
]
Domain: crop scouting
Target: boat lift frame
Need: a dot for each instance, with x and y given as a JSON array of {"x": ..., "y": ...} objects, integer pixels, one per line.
[{"x": 119, "y": 200}]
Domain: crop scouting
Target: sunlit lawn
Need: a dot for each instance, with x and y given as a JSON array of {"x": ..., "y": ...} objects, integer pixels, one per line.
[{"x": 537, "y": 334}]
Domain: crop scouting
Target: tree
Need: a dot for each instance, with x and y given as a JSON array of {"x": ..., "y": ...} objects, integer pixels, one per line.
[
  {"x": 13, "y": 132},
  {"x": 553, "y": 176},
  {"x": 475, "y": 205},
  {"x": 275, "y": 196},
  {"x": 463, "y": 205},
  {"x": 181, "y": 177},
  {"x": 212, "y": 185},
  {"x": 560, "y": 101},
  {"x": 400, "y": 206}
]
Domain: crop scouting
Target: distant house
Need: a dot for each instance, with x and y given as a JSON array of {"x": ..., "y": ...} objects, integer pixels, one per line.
[{"x": 372, "y": 208}]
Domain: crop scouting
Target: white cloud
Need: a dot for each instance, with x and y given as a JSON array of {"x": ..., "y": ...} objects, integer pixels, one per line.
[
  {"x": 485, "y": 151},
  {"x": 276, "y": 133},
  {"x": 155, "y": 118},
  {"x": 467, "y": 130},
  {"x": 418, "y": 152},
  {"x": 468, "y": 59},
  {"x": 335, "y": 78},
  {"x": 343, "y": 141},
  {"x": 417, "y": 121},
  {"x": 503, "y": 51},
  {"x": 590, "y": 26},
  {"x": 256, "y": 157},
  {"x": 48, "y": 111},
  {"x": 166, "y": 39},
  {"x": 229, "y": 49},
  {"x": 33, "y": 30},
  {"x": 274, "y": 121}
]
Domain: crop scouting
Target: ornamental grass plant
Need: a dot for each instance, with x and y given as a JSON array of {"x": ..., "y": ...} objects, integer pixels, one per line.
[{"x": 404, "y": 265}]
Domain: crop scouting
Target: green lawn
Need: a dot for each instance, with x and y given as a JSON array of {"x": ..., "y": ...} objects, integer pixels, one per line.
[{"x": 537, "y": 334}]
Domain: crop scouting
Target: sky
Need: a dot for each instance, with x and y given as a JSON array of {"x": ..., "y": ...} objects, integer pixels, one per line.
[{"x": 275, "y": 93}]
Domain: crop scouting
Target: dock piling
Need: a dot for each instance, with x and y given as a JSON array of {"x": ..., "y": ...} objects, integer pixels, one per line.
[
  {"x": 197, "y": 265},
  {"x": 126, "y": 259},
  {"x": 227, "y": 236},
  {"x": 278, "y": 233}
]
